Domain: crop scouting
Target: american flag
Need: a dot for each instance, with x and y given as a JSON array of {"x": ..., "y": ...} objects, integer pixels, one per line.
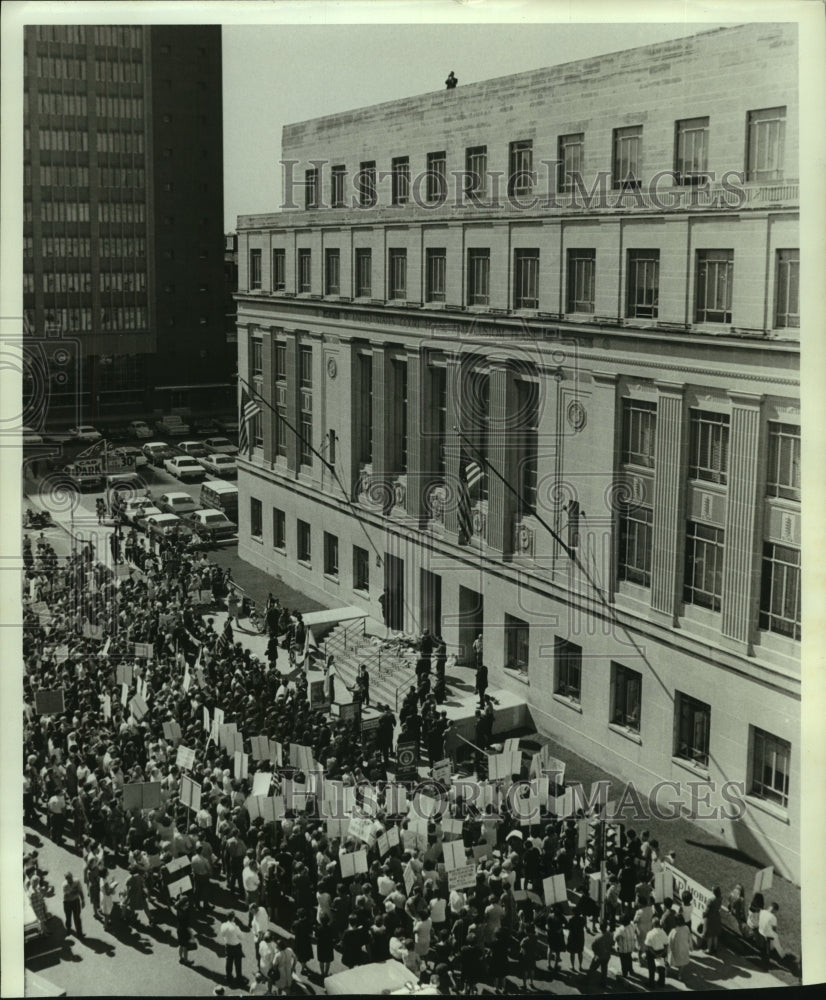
[
  {"x": 469, "y": 477},
  {"x": 249, "y": 410}
]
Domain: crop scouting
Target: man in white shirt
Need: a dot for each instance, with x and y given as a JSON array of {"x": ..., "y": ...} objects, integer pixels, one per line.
[
  {"x": 229, "y": 934},
  {"x": 767, "y": 931}
]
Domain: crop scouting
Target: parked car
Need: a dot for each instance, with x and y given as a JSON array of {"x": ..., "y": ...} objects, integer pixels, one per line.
[
  {"x": 85, "y": 432},
  {"x": 140, "y": 517},
  {"x": 205, "y": 426},
  {"x": 183, "y": 467},
  {"x": 31, "y": 437},
  {"x": 220, "y": 446},
  {"x": 158, "y": 452},
  {"x": 177, "y": 503},
  {"x": 172, "y": 426},
  {"x": 197, "y": 449},
  {"x": 228, "y": 425},
  {"x": 140, "y": 429},
  {"x": 211, "y": 524},
  {"x": 224, "y": 466},
  {"x": 165, "y": 525},
  {"x": 137, "y": 456},
  {"x": 137, "y": 507}
]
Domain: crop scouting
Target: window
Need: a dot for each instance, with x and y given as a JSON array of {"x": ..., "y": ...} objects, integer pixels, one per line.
[
  {"x": 570, "y": 151},
  {"x": 766, "y": 135},
  {"x": 436, "y": 188},
  {"x": 364, "y": 269},
  {"x": 626, "y": 696},
  {"x": 639, "y": 427},
  {"x": 255, "y": 269},
  {"x": 435, "y": 267},
  {"x": 783, "y": 475},
  {"x": 520, "y": 162},
  {"x": 526, "y": 279},
  {"x": 303, "y": 541},
  {"x": 476, "y": 171},
  {"x": 400, "y": 416},
  {"x": 305, "y": 359},
  {"x": 304, "y": 270},
  {"x": 311, "y": 188},
  {"x": 581, "y": 271},
  {"x": 692, "y": 729},
  {"x": 715, "y": 276},
  {"x": 780, "y": 590},
  {"x": 627, "y": 156},
  {"x": 367, "y": 184},
  {"x": 787, "y": 295},
  {"x": 257, "y": 362},
  {"x": 279, "y": 529},
  {"x": 279, "y": 270},
  {"x": 770, "y": 758},
  {"x": 709, "y": 446},
  {"x": 397, "y": 274},
  {"x": 517, "y": 644},
  {"x": 691, "y": 151},
  {"x": 478, "y": 277},
  {"x": 439, "y": 388},
  {"x": 643, "y": 284},
  {"x": 281, "y": 399},
  {"x": 338, "y": 179},
  {"x": 568, "y": 660},
  {"x": 528, "y": 410},
  {"x": 332, "y": 271},
  {"x": 635, "y": 535},
  {"x": 365, "y": 408},
  {"x": 361, "y": 568},
  {"x": 256, "y": 518},
  {"x": 330, "y": 554},
  {"x": 400, "y": 177},
  {"x": 703, "y": 580}
]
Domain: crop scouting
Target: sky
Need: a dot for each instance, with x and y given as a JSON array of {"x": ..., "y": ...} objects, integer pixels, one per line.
[{"x": 278, "y": 74}]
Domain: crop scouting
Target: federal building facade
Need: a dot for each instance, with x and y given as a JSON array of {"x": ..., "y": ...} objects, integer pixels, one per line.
[{"x": 545, "y": 330}]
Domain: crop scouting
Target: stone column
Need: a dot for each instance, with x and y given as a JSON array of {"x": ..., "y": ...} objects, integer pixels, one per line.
[
  {"x": 453, "y": 444},
  {"x": 268, "y": 392},
  {"x": 292, "y": 399},
  {"x": 382, "y": 416},
  {"x": 418, "y": 444},
  {"x": 741, "y": 558},
  {"x": 503, "y": 453},
  {"x": 669, "y": 482}
]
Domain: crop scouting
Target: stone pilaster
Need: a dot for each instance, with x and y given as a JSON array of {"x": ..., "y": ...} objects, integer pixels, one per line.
[
  {"x": 418, "y": 434},
  {"x": 292, "y": 400},
  {"x": 268, "y": 392},
  {"x": 503, "y": 452},
  {"x": 453, "y": 444},
  {"x": 668, "y": 533}
]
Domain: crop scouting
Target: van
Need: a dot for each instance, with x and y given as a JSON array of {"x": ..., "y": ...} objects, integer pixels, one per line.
[{"x": 221, "y": 496}]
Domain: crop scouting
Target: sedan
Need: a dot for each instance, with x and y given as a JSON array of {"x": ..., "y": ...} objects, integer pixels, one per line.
[
  {"x": 206, "y": 426},
  {"x": 137, "y": 456},
  {"x": 137, "y": 508},
  {"x": 220, "y": 465},
  {"x": 177, "y": 503},
  {"x": 211, "y": 524},
  {"x": 158, "y": 452},
  {"x": 194, "y": 448},
  {"x": 220, "y": 445},
  {"x": 168, "y": 525},
  {"x": 140, "y": 429},
  {"x": 85, "y": 432},
  {"x": 183, "y": 467}
]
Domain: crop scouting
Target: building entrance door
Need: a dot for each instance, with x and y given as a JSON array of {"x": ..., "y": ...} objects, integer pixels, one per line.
[
  {"x": 431, "y": 597},
  {"x": 471, "y": 619},
  {"x": 394, "y": 592}
]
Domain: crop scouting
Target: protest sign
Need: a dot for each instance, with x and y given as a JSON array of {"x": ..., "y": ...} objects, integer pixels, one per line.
[
  {"x": 259, "y": 748},
  {"x": 462, "y": 878},
  {"x": 763, "y": 879},
  {"x": 383, "y": 844},
  {"x": 219, "y": 716},
  {"x": 179, "y": 887},
  {"x": 663, "y": 886},
  {"x": 142, "y": 795},
  {"x": 138, "y": 707},
  {"x": 554, "y": 890},
  {"x": 454, "y": 854},
  {"x": 186, "y": 684},
  {"x": 441, "y": 771},
  {"x": 49, "y": 701},
  {"x": 123, "y": 673},
  {"x": 235, "y": 742},
  {"x": 350, "y": 712},
  {"x": 545, "y": 761},
  {"x": 452, "y": 827},
  {"x": 106, "y": 705},
  {"x": 172, "y": 731},
  {"x": 61, "y": 653},
  {"x": 353, "y": 864},
  {"x": 206, "y": 718},
  {"x": 261, "y": 782},
  {"x": 361, "y": 828},
  {"x": 337, "y": 827},
  {"x": 240, "y": 764},
  {"x": 185, "y": 758},
  {"x": 145, "y": 650},
  {"x": 190, "y": 793},
  {"x": 409, "y": 879},
  {"x": 124, "y": 694},
  {"x": 480, "y": 851},
  {"x": 393, "y": 836},
  {"x": 396, "y": 800},
  {"x": 226, "y": 735},
  {"x": 699, "y": 894}
]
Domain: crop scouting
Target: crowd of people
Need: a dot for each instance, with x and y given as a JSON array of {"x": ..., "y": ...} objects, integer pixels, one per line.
[{"x": 299, "y": 913}]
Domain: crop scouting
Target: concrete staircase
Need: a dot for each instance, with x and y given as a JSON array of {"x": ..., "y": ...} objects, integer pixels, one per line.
[{"x": 392, "y": 671}]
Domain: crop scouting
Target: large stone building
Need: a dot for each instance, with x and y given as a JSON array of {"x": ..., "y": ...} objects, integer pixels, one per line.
[
  {"x": 123, "y": 215},
  {"x": 616, "y": 339}
]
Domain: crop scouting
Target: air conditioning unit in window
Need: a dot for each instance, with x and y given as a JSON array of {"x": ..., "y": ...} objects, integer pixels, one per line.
[
  {"x": 449, "y": 307},
  {"x": 313, "y": 295},
  {"x": 497, "y": 312}
]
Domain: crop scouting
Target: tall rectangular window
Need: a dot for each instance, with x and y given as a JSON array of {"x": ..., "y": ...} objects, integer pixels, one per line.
[
  {"x": 766, "y": 141},
  {"x": 787, "y": 291},
  {"x": 708, "y": 458},
  {"x": 257, "y": 357},
  {"x": 476, "y": 171},
  {"x": 400, "y": 415},
  {"x": 305, "y": 359},
  {"x": 439, "y": 387},
  {"x": 517, "y": 644},
  {"x": 365, "y": 408},
  {"x": 279, "y": 270},
  {"x": 570, "y": 153},
  {"x": 643, "y": 284},
  {"x": 435, "y": 268},
  {"x": 332, "y": 271},
  {"x": 330, "y": 554},
  {"x": 520, "y": 167},
  {"x": 303, "y": 537},
  {"x": 436, "y": 181},
  {"x": 311, "y": 188},
  {"x": 692, "y": 729},
  {"x": 338, "y": 179},
  {"x": 279, "y": 529},
  {"x": 526, "y": 279},
  {"x": 478, "y": 277},
  {"x": 528, "y": 410},
  {"x": 568, "y": 663},
  {"x": 581, "y": 273},
  {"x": 714, "y": 281},
  {"x": 255, "y": 270},
  {"x": 305, "y": 270},
  {"x": 639, "y": 428},
  {"x": 635, "y": 544},
  {"x": 367, "y": 183},
  {"x": 703, "y": 579},
  {"x": 626, "y": 697},
  {"x": 256, "y": 518},
  {"x": 400, "y": 178},
  {"x": 780, "y": 590},
  {"x": 691, "y": 150},
  {"x": 770, "y": 766},
  {"x": 783, "y": 474},
  {"x": 364, "y": 273},
  {"x": 361, "y": 568},
  {"x": 627, "y": 162},
  {"x": 396, "y": 274},
  {"x": 281, "y": 399}
]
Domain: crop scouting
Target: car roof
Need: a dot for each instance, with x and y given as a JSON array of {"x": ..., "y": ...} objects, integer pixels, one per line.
[
  {"x": 164, "y": 516},
  {"x": 176, "y": 493},
  {"x": 185, "y": 458},
  {"x": 218, "y": 437},
  {"x": 219, "y": 487},
  {"x": 156, "y": 444},
  {"x": 211, "y": 511},
  {"x": 222, "y": 456}
]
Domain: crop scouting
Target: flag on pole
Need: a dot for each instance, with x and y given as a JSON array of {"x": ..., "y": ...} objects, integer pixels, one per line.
[
  {"x": 249, "y": 410},
  {"x": 469, "y": 476}
]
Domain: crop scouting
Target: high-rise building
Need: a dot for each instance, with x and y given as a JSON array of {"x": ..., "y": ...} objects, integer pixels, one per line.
[
  {"x": 123, "y": 213},
  {"x": 545, "y": 328}
]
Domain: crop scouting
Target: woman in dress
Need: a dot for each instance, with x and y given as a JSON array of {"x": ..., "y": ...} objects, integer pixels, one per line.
[
  {"x": 266, "y": 955},
  {"x": 576, "y": 939},
  {"x": 713, "y": 921},
  {"x": 303, "y": 939},
  {"x": 283, "y": 966},
  {"x": 555, "y": 927},
  {"x": 107, "y": 897},
  {"x": 679, "y": 947},
  {"x": 324, "y": 944},
  {"x": 37, "y": 898}
]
